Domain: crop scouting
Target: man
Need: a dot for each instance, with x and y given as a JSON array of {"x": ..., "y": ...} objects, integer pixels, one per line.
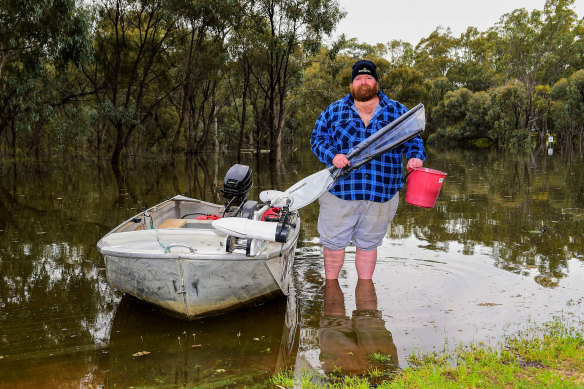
[{"x": 360, "y": 205}]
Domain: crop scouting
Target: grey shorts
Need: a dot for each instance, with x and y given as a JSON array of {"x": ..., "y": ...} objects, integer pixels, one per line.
[{"x": 363, "y": 222}]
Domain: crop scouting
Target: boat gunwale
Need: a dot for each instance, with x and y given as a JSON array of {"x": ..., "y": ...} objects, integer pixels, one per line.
[{"x": 225, "y": 256}]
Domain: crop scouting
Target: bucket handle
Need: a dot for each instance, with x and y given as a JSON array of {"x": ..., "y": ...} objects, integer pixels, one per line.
[{"x": 410, "y": 172}]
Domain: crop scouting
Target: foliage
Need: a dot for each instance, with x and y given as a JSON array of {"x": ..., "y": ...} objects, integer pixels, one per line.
[
  {"x": 148, "y": 76},
  {"x": 406, "y": 85},
  {"x": 575, "y": 100},
  {"x": 507, "y": 113},
  {"x": 38, "y": 40},
  {"x": 283, "y": 379}
]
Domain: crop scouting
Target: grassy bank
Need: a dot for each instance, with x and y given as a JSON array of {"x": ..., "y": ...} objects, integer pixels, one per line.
[{"x": 547, "y": 356}]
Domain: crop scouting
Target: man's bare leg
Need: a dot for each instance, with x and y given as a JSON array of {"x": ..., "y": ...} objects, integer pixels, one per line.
[
  {"x": 365, "y": 263},
  {"x": 333, "y": 262}
]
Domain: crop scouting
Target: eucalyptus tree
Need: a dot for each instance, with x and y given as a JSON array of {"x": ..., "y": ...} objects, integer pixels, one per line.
[
  {"x": 326, "y": 78},
  {"x": 130, "y": 69},
  {"x": 283, "y": 31},
  {"x": 474, "y": 65},
  {"x": 38, "y": 39},
  {"x": 241, "y": 50},
  {"x": 567, "y": 109},
  {"x": 400, "y": 54},
  {"x": 535, "y": 48},
  {"x": 575, "y": 104},
  {"x": 354, "y": 49},
  {"x": 438, "y": 89},
  {"x": 464, "y": 116},
  {"x": 507, "y": 113},
  {"x": 434, "y": 55},
  {"x": 406, "y": 85},
  {"x": 200, "y": 60}
]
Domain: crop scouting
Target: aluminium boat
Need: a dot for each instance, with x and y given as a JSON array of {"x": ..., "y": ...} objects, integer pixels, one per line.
[{"x": 170, "y": 255}]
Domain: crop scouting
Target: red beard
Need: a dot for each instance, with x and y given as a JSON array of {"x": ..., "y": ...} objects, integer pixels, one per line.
[{"x": 364, "y": 92}]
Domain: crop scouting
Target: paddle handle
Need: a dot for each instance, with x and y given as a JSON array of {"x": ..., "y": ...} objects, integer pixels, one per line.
[
  {"x": 338, "y": 173},
  {"x": 371, "y": 140}
]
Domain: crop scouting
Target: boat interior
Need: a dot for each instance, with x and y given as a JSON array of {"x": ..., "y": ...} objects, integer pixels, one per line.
[{"x": 183, "y": 225}]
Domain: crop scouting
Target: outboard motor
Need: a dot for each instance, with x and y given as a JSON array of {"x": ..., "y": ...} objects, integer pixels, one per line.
[{"x": 236, "y": 185}]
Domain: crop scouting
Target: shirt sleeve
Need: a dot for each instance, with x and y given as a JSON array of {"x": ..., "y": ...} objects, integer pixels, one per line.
[
  {"x": 414, "y": 148},
  {"x": 321, "y": 141}
]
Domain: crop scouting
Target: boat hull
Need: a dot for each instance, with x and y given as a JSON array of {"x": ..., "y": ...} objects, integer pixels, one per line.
[{"x": 197, "y": 277}]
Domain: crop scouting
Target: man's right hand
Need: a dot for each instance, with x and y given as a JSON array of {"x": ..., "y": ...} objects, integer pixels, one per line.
[{"x": 340, "y": 161}]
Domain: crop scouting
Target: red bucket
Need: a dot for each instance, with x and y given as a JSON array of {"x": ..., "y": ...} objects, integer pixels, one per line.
[{"x": 424, "y": 186}]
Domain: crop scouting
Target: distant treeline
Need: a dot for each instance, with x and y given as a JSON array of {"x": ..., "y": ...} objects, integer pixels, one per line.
[{"x": 124, "y": 77}]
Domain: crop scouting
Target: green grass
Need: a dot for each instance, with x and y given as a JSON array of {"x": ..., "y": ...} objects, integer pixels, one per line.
[
  {"x": 381, "y": 358},
  {"x": 548, "y": 356},
  {"x": 283, "y": 378}
]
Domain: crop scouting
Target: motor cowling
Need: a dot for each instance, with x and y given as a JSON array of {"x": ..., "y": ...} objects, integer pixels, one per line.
[{"x": 237, "y": 182}]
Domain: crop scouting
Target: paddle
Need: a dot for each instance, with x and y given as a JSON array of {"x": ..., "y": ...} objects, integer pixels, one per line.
[{"x": 399, "y": 131}]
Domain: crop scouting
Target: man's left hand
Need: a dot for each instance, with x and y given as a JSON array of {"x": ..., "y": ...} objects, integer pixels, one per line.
[{"x": 414, "y": 163}]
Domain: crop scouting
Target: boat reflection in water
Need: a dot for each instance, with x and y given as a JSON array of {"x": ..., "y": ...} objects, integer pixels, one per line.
[
  {"x": 348, "y": 343},
  {"x": 148, "y": 347}
]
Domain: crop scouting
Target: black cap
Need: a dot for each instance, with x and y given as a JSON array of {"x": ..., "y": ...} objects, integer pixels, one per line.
[{"x": 364, "y": 66}]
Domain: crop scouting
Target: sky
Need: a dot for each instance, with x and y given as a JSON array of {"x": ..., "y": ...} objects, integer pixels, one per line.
[{"x": 380, "y": 21}]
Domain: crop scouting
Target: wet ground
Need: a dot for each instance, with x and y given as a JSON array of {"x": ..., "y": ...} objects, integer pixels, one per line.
[{"x": 501, "y": 249}]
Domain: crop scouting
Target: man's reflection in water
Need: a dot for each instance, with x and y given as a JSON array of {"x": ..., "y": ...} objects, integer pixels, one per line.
[{"x": 347, "y": 343}]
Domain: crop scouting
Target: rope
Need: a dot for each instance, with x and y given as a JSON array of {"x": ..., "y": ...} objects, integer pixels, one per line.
[{"x": 164, "y": 247}]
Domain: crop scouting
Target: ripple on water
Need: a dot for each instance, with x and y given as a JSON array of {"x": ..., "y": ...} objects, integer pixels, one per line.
[{"x": 434, "y": 299}]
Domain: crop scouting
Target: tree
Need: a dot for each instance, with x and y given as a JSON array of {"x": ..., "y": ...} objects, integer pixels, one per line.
[
  {"x": 406, "y": 85},
  {"x": 542, "y": 104},
  {"x": 477, "y": 124},
  {"x": 438, "y": 89},
  {"x": 283, "y": 28},
  {"x": 129, "y": 73},
  {"x": 37, "y": 42},
  {"x": 325, "y": 79},
  {"x": 534, "y": 48},
  {"x": 507, "y": 114},
  {"x": 575, "y": 103},
  {"x": 401, "y": 54},
  {"x": 434, "y": 54},
  {"x": 464, "y": 116},
  {"x": 473, "y": 67},
  {"x": 200, "y": 59}
]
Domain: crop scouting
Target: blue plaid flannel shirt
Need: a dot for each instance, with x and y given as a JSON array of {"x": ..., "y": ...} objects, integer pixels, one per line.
[{"x": 339, "y": 127}]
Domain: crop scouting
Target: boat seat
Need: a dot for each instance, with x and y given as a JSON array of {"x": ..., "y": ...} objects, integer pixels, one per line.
[{"x": 172, "y": 223}]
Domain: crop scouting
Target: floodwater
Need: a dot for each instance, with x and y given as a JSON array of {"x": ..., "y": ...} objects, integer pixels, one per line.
[{"x": 501, "y": 250}]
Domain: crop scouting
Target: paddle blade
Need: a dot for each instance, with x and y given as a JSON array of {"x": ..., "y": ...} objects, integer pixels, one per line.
[
  {"x": 309, "y": 189},
  {"x": 404, "y": 128}
]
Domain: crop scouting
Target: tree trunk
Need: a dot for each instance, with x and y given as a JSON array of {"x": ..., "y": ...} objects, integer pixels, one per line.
[
  {"x": 13, "y": 140},
  {"x": 216, "y": 134},
  {"x": 243, "y": 115},
  {"x": 118, "y": 146}
]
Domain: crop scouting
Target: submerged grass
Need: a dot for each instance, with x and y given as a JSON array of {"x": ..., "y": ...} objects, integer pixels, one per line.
[{"x": 546, "y": 356}]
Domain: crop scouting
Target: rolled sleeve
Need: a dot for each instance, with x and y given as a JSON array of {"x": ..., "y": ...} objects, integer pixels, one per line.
[{"x": 414, "y": 148}]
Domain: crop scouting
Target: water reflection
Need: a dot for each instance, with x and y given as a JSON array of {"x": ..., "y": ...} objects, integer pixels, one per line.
[
  {"x": 349, "y": 343},
  {"x": 147, "y": 346},
  {"x": 518, "y": 216},
  {"x": 525, "y": 208}
]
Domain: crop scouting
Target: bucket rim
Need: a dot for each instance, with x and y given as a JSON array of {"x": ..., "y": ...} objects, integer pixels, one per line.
[{"x": 428, "y": 170}]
